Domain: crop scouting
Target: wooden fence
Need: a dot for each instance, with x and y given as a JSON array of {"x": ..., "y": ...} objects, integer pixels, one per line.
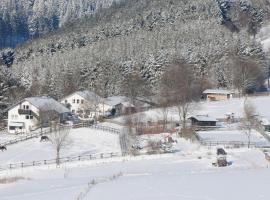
[
  {"x": 24, "y": 138},
  {"x": 228, "y": 144},
  {"x": 121, "y": 134},
  {"x": 97, "y": 127},
  {"x": 38, "y": 134},
  {"x": 61, "y": 160}
]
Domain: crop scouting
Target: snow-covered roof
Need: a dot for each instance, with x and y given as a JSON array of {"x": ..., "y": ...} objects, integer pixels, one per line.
[
  {"x": 47, "y": 103},
  {"x": 88, "y": 95},
  {"x": 16, "y": 124},
  {"x": 204, "y": 118},
  {"x": 127, "y": 104},
  {"x": 217, "y": 91},
  {"x": 114, "y": 100},
  {"x": 264, "y": 121}
]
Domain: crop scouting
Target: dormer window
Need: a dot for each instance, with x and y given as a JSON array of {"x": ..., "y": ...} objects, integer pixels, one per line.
[{"x": 25, "y": 107}]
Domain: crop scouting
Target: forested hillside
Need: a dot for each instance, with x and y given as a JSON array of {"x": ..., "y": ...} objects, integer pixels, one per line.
[
  {"x": 141, "y": 37},
  {"x": 24, "y": 19}
]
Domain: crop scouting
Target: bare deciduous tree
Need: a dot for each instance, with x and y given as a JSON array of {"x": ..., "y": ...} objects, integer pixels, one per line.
[
  {"x": 59, "y": 139},
  {"x": 46, "y": 115},
  {"x": 247, "y": 73},
  {"x": 181, "y": 88},
  {"x": 249, "y": 121},
  {"x": 135, "y": 86}
]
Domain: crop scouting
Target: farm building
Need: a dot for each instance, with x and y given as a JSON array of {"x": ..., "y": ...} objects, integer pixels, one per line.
[
  {"x": 203, "y": 120},
  {"x": 217, "y": 94},
  {"x": 34, "y": 112},
  {"x": 123, "y": 105},
  {"x": 124, "y": 108},
  {"x": 265, "y": 123},
  {"x": 86, "y": 104}
]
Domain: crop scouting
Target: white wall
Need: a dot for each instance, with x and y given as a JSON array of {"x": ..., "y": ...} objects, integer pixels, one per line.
[
  {"x": 15, "y": 117},
  {"x": 81, "y": 106}
]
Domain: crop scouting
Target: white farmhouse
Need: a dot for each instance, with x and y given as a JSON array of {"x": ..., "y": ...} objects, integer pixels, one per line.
[
  {"x": 86, "y": 104},
  {"x": 33, "y": 112}
]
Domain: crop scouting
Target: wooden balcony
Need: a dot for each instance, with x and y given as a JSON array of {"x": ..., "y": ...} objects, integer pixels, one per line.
[{"x": 25, "y": 112}]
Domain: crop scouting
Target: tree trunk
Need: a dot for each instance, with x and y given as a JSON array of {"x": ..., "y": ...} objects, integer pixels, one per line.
[{"x": 58, "y": 157}]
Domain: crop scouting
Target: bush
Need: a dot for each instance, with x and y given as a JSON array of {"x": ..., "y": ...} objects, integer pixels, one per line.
[{"x": 155, "y": 147}]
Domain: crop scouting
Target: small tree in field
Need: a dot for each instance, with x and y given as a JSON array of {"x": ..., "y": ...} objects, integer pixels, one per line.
[
  {"x": 180, "y": 88},
  {"x": 59, "y": 139},
  {"x": 249, "y": 121}
]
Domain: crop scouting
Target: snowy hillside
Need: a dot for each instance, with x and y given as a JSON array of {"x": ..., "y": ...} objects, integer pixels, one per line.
[
  {"x": 132, "y": 36},
  {"x": 23, "y": 19}
]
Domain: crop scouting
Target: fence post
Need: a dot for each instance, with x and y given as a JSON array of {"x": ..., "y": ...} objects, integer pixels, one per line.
[
  {"x": 10, "y": 166},
  {"x": 45, "y": 162},
  {"x": 22, "y": 164},
  {"x": 101, "y": 155},
  {"x": 111, "y": 155},
  {"x": 90, "y": 156},
  {"x": 79, "y": 158}
]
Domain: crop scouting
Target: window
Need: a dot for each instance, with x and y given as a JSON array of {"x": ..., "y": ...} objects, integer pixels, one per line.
[
  {"x": 25, "y": 107},
  {"x": 73, "y": 100},
  {"x": 31, "y": 117},
  {"x": 82, "y": 101},
  {"x": 27, "y": 117},
  {"x": 78, "y": 100}
]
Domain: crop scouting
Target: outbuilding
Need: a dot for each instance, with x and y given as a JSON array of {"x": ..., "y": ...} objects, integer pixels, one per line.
[
  {"x": 217, "y": 94},
  {"x": 203, "y": 120}
]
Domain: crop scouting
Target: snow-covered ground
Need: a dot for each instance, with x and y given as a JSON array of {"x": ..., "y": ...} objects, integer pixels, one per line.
[
  {"x": 82, "y": 141},
  {"x": 181, "y": 176},
  {"x": 217, "y": 109},
  {"x": 187, "y": 174},
  {"x": 232, "y": 136},
  {"x": 5, "y": 136}
]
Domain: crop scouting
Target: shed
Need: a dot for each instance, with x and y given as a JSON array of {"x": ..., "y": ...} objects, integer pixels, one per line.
[
  {"x": 125, "y": 108},
  {"x": 217, "y": 94},
  {"x": 203, "y": 120}
]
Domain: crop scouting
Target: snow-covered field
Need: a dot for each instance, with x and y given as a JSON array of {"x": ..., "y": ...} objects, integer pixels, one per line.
[
  {"x": 187, "y": 174},
  {"x": 217, "y": 109},
  {"x": 232, "y": 136},
  {"x": 182, "y": 176},
  {"x": 82, "y": 141}
]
